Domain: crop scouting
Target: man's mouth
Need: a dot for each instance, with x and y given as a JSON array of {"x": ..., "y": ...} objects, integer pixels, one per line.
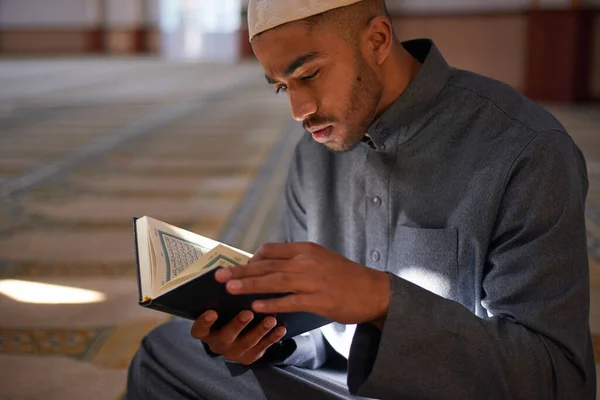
[{"x": 321, "y": 133}]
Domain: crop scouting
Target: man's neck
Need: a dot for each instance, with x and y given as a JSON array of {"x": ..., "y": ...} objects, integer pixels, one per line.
[{"x": 398, "y": 71}]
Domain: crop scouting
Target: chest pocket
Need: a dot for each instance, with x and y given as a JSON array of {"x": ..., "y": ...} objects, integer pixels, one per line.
[{"x": 427, "y": 258}]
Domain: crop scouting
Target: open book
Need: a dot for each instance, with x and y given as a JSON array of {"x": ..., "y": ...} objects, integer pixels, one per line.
[{"x": 176, "y": 275}]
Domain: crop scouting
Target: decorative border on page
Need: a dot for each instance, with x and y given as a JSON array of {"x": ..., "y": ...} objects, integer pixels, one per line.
[
  {"x": 161, "y": 234},
  {"x": 218, "y": 258}
]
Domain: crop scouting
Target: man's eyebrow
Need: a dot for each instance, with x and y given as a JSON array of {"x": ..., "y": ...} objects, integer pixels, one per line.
[
  {"x": 300, "y": 61},
  {"x": 294, "y": 65},
  {"x": 270, "y": 80}
]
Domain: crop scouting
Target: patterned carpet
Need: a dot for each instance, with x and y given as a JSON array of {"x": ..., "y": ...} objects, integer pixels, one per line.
[
  {"x": 194, "y": 145},
  {"x": 87, "y": 144}
]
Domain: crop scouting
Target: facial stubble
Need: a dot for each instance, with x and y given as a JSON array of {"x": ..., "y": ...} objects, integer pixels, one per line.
[{"x": 364, "y": 97}]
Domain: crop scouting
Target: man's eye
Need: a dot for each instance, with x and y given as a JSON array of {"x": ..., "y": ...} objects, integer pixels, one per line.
[
  {"x": 281, "y": 88},
  {"x": 311, "y": 76}
]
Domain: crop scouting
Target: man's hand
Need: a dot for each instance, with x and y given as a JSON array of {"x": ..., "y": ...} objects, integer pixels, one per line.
[
  {"x": 319, "y": 280},
  {"x": 227, "y": 341}
]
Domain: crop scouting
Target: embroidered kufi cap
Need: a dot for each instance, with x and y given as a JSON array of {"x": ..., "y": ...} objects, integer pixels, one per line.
[{"x": 268, "y": 14}]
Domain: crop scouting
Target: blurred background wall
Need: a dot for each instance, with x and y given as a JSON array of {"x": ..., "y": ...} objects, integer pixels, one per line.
[{"x": 549, "y": 49}]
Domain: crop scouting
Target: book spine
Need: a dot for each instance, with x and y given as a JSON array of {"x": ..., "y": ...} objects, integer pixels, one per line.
[{"x": 137, "y": 259}]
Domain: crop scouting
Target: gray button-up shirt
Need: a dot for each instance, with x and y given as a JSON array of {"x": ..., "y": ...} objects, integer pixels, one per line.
[{"x": 472, "y": 198}]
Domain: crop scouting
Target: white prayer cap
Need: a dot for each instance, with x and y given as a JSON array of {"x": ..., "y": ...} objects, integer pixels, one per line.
[{"x": 267, "y": 14}]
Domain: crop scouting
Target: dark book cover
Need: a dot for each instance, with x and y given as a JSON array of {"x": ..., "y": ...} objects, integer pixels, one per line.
[{"x": 204, "y": 293}]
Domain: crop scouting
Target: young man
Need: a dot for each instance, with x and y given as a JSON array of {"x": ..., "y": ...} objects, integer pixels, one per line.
[{"x": 439, "y": 211}]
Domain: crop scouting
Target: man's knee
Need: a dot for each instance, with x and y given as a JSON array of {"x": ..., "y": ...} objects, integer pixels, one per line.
[
  {"x": 174, "y": 336},
  {"x": 161, "y": 354}
]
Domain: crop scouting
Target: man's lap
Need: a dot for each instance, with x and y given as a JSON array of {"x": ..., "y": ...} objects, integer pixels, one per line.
[{"x": 170, "y": 364}]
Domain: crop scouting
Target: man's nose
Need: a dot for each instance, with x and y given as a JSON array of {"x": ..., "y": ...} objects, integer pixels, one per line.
[{"x": 303, "y": 105}]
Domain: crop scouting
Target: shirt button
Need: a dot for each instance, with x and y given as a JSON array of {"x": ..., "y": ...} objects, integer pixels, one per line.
[
  {"x": 375, "y": 256},
  {"x": 377, "y": 201},
  {"x": 383, "y": 147}
]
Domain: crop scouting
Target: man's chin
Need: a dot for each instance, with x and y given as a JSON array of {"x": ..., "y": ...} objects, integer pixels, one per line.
[
  {"x": 339, "y": 140},
  {"x": 343, "y": 147}
]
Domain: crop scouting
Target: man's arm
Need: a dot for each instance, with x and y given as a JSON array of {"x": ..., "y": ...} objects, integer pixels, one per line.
[{"x": 535, "y": 342}]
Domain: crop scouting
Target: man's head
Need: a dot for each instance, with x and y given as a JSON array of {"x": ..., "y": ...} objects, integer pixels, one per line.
[{"x": 330, "y": 64}]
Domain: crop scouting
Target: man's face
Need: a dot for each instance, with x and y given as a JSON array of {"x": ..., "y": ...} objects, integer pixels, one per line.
[{"x": 332, "y": 89}]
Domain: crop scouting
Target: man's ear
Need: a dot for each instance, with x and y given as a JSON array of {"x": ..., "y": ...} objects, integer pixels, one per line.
[{"x": 380, "y": 35}]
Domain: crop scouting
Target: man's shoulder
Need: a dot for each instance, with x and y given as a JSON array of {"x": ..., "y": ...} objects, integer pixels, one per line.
[{"x": 502, "y": 99}]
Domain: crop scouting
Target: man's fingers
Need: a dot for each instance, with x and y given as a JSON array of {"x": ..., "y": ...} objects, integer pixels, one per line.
[
  {"x": 289, "y": 303},
  {"x": 201, "y": 327},
  {"x": 220, "y": 340},
  {"x": 273, "y": 337},
  {"x": 250, "y": 339},
  {"x": 277, "y": 282},
  {"x": 246, "y": 349},
  {"x": 229, "y": 333},
  {"x": 255, "y": 269},
  {"x": 259, "y": 349}
]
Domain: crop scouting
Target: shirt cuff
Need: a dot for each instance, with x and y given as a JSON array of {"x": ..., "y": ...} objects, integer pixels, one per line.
[
  {"x": 278, "y": 353},
  {"x": 368, "y": 350},
  {"x": 311, "y": 351}
]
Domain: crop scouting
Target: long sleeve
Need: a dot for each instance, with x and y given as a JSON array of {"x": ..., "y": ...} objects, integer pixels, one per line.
[{"x": 534, "y": 342}]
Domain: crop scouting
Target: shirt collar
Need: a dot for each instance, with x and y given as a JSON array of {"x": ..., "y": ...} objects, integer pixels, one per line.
[{"x": 418, "y": 95}]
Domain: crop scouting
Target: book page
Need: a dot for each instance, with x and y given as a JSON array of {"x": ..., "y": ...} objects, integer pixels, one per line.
[
  {"x": 177, "y": 253},
  {"x": 220, "y": 256},
  {"x": 174, "y": 250}
]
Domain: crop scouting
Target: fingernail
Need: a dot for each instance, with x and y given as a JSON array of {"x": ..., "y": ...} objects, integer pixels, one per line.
[
  {"x": 281, "y": 331},
  {"x": 209, "y": 317},
  {"x": 234, "y": 285},
  {"x": 246, "y": 316},
  {"x": 223, "y": 274},
  {"x": 258, "y": 305},
  {"x": 269, "y": 323}
]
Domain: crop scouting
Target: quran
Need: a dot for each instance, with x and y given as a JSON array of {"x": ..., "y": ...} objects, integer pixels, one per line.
[{"x": 176, "y": 274}]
